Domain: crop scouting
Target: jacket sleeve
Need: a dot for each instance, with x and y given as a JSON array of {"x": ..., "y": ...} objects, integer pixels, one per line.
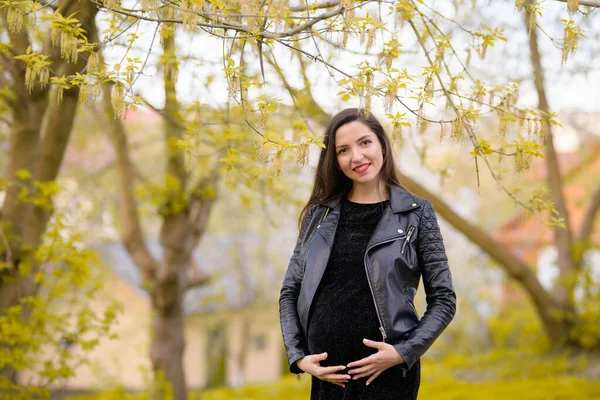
[
  {"x": 439, "y": 291},
  {"x": 293, "y": 335}
]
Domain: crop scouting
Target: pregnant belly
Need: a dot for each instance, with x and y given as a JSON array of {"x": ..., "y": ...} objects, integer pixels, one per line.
[{"x": 339, "y": 329}]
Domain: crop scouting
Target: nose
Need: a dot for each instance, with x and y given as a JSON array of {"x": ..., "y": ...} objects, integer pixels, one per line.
[{"x": 357, "y": 157}]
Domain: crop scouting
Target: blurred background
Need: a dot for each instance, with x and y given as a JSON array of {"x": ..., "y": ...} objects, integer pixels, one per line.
[{"x": 155, "y": 156}]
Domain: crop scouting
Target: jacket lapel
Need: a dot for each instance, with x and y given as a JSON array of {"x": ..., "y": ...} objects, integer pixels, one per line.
[
  {"x": 387, "y": 228},
  {"x": 389, "y": 225}
]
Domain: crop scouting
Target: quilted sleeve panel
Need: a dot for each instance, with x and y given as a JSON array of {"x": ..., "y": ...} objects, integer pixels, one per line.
[
  {"x": 431, "y": 243},
  {"x": 439, "y": 290}
]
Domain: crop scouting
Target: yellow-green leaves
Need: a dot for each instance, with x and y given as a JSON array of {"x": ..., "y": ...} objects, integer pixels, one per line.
[
  {"x": 37, "y": 68},
  {"x": 265, "y": 107},
  {"x": 170, "y": 198},
  {"x": 118, "y": 100},
  {"x": 392, "y": 49},
  {"x": 398, "y": 121},
  {"x": 483, "y": 148},
  {"x": 67, "y": 33},
  {"x": 23, "y": 174},
  {"x": 488, "y": 37},
  {"x": 458, "y": 129},
  {"x": 16, "y": 18},
  {"x": 61, "y": 84},
  {"x": 404, "y": 11},
  {"x": 572, "y": 33},
  {"x": 524, "y": 151},
  {"x": 51, "y": 342}
]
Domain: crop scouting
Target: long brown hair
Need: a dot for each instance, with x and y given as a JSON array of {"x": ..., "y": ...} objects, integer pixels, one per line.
[{"x": 330, "y": 181}]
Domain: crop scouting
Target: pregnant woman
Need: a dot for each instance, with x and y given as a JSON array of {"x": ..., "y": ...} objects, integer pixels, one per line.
[{"x": 346, "y": 305}]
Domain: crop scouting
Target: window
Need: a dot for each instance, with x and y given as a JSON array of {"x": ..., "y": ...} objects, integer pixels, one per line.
[{"x": 260, "y": 342}]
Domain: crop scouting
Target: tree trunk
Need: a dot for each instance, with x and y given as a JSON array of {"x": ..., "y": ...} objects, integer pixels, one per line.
[
  {"x": 39, "y": 135},
  {"x": 562, "y": 236},
  {"x": 167, "y": 343},
  {"x": 564, "y": 287},
  {"x": 167, "y": 302}
]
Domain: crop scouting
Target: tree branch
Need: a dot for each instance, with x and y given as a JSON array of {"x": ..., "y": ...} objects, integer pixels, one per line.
[
  {"x": 58, "y": 125},
  {"x": 590, "y": 214},
  {"x": 584, "y": 3},
  {"x": 196, "y": 277},
  {"x": 200, "y": 208},
  {"x": 225, "y": 25},
  {"x": 511, "y": 264},
  {"x": 325, "y": 4},
  {"x": 133, "y": 237}
]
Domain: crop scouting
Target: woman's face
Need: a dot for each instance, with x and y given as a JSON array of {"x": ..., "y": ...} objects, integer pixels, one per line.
[{"x": 359, "y": 152}]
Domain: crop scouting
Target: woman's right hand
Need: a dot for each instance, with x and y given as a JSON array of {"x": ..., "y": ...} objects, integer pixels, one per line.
[{"x": 311, "y": 365}]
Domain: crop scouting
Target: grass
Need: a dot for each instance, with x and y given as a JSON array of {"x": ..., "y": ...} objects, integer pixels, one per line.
[{"x": 489, "y": 376}]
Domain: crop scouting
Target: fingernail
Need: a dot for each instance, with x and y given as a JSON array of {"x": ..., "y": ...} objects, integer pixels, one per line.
[
  {"x": 355, "y": 378},
  {"x": 365, "y": 340},
  {"x": 343, "y": 367},
  {"x": 367, "y": 383}
]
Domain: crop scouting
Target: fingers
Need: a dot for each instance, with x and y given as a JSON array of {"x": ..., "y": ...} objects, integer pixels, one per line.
[
  {"x": 335, "y": 378},
  {"x": 361, "y": 362},
  {"x": 372, "y": 343},
  {"x": 320, "y": 357},
  {"x": 364, "y": 374},
  {"x": 331, "y": 370},
  {"x": 372, "y": 378},
  {"x": 361, "y": 370}
]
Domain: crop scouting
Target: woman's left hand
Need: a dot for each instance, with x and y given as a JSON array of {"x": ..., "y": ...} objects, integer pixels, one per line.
[{"x": 386, "y": 357}]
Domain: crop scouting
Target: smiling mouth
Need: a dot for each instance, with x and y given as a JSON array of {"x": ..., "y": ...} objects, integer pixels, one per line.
[{"x": 362, "y": 168}]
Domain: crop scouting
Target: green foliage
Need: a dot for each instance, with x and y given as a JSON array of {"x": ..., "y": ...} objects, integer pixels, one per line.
[{"x": 46, "y": 336}]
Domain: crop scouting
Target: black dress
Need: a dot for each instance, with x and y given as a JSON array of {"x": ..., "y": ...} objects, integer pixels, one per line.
[{"x": 343, "y": 313}]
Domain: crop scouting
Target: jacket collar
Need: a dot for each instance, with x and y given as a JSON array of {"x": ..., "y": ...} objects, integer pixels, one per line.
[{"x": 400, "y": 200}]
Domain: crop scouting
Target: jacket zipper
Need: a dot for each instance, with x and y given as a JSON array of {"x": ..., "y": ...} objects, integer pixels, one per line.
[
  {"x": 381, "y": 328},
  {"x": 408, "y": 235}
]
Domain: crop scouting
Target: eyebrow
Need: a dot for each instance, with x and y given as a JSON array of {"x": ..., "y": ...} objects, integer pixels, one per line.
[{"x": 357, "y": 140}]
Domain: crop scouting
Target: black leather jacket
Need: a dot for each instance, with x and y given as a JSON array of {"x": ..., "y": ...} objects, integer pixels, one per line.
[{"x": 405, "y": 246}]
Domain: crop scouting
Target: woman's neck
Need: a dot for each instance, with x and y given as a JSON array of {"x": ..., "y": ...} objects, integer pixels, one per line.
[{"x": 369, "y": 193}]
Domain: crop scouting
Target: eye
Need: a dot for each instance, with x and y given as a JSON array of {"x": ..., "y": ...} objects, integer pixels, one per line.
[
  {"x": 367, "y": 141},
  {"x": 341, "y": 151}
]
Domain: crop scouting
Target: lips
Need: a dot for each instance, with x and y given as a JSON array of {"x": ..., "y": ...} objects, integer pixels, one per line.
[{"x": 362, "y": 168}]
